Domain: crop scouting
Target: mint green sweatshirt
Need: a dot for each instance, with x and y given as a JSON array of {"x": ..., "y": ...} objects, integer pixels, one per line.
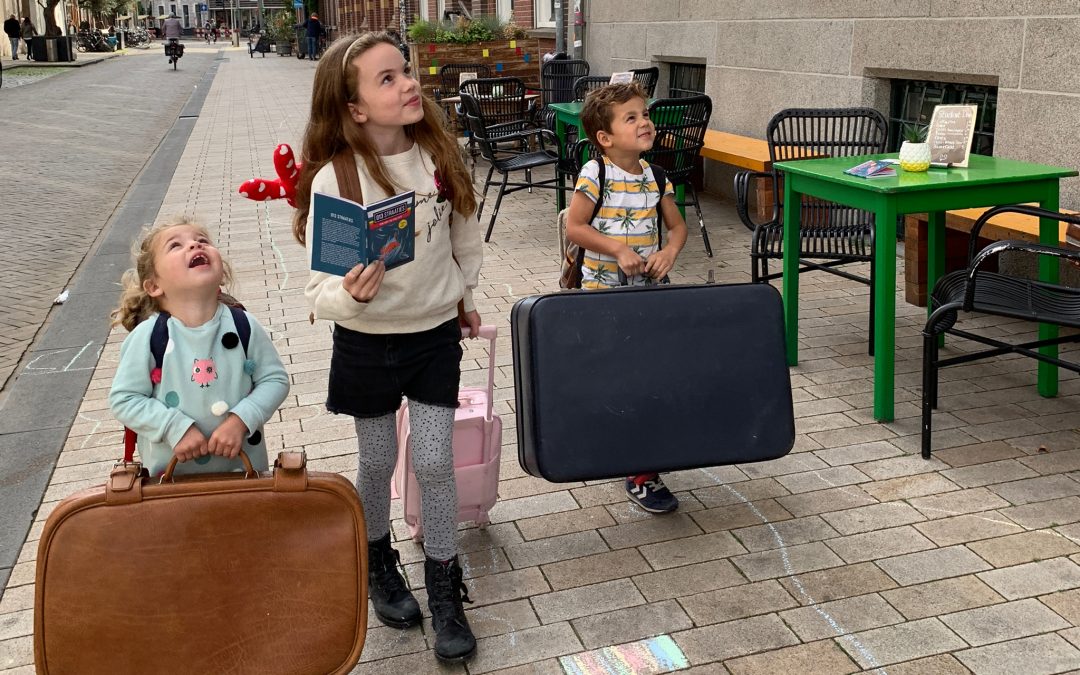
[{"x": 202, "y": 381}]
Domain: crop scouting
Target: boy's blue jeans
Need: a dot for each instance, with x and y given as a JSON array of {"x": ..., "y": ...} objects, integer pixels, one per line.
[
  {"x": 14, "y": 47},
  {"x": 312, "y": 43}
]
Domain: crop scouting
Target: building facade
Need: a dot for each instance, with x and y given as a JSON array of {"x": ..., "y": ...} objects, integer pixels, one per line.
[{"x": 1017, "y": 61}]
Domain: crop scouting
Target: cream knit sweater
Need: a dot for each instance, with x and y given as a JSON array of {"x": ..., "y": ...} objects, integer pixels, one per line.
[{"x": 420, "y": 294}]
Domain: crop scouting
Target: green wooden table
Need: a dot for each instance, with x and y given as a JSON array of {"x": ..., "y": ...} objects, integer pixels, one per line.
[
  {"x": 987, "y": 181},
  {"x": 570, "y": 114}
]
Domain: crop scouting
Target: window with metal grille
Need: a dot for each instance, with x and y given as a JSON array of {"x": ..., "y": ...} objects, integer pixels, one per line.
[
  {"x": 686, "y": 79},
  {"x": 913, "y": 102}
]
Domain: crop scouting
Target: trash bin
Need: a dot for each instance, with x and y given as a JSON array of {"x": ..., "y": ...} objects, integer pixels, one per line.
[{"x": 65, "y": 48}]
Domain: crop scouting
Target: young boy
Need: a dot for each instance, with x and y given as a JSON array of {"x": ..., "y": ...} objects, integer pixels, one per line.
[{"x": 624, "y": 234}]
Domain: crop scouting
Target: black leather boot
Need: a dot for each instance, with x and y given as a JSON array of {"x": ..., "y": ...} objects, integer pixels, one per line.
[
  {"x": 394, "y": 603},
  {"x": 454, "y": 640}
]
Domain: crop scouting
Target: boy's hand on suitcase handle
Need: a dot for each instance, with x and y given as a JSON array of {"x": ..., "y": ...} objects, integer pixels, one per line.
[
  {"x": 660, "y": 264},
  {"x": 228, "y": 439},
  {"x": 363, "y": 282},
  {"x": 630, "y": 261},
  {"x": 192, "y": 444}
]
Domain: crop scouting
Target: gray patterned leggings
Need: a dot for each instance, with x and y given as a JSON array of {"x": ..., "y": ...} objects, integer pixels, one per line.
[{"x": 433, "y": 461}]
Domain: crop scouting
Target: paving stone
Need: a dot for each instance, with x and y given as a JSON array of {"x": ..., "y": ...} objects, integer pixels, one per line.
[
  {"x": 837, "y": 583},
  {"x": 791, "y": 463},
  {"x": 786, "y": 561},
  {"x": 908, "y": 465},
  {"x": 820, "y": 658},
  {"x": 824, "y": 501},
  {"x": 840, "y": 617},
  {"x": 660, "y": 528},
  {"x": 495, "y": 619},
  {"x": 554, "y": 549},
  {"x": 1037, "y": 655},
  {"x": 902, "y": 642},
  {"x": 1038, "y": 489},
  {"x": 1024, "y": 547},
  {"x": 939, "y": 563},
  {"x": 875, "y": 517},
  {"x": 691, "y": 550},
  {"x": 907, "y": 487},
  {"x": 958, "y": 503},
  {"x": 594, "y": 569},
  {"x": 737, "y": 602},
  {"x": 524, "y": 646},
  {"x": 496, "y": 588},
  {"x": 383, "y": 642},
  {"x": 1045, "y": 513},
  {"x": 785, "y": 533},
  {"x": 687, "y": 580},
  {"x": 1007, "y": 621},
  {"x": 942, "y": 664},
  {"x": 410, "y": 664},
  {"x": 941, "y": 597},
  {"x": 991, "y": 472},
  {"x": 1037, "y": 578},
  {"x": 880, "y": 544},
  {"x": 734, "y": 638},
  {"x": 822, "y": 479},
  {"x": 537, "y": 505},
  {"x": 736, "y": 493},
  {"x": 978, "y": 453},
  {"x": 970, "y": 527},
  {"x": 567, "y": 522},
  {"x": 1065, "y": 603},
  {"x": 862, "y": 452},
  {"x": 1054, "y": 462},
  {"x": 634, "y": 623},
  {"x": 582, "y": 601},
  {"x": 740, "y": 515}
]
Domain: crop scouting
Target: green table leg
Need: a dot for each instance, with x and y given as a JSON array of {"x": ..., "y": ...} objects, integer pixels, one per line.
[
  {"x": 935, "y": 256},
  {"x": 884, "y": 309},
  {"x": 1048, "y": 272},
  {"x": 792, "y": 203},
  {"x": 680, "y": 195}
]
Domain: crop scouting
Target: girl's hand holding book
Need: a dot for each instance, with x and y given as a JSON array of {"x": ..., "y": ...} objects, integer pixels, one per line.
[
  {"x": 228, "y": 438},
  {"x": 363, "y": 282},
  {"x": 192, "y": 445}
]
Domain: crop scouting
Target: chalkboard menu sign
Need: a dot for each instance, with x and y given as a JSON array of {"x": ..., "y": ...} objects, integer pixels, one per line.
[{"x": 951, "y": 130}]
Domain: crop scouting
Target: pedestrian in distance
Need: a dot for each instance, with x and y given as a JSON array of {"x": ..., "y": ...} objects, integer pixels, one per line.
[
  {"x": 314, "y": 31},
  {"x": 397, "y": 333},
  {"x": 28, "y": 32},
  {"x": 14, "y": 34},
  {"x": 622, "y": 241},
  {"x": 198, "y": 376}
]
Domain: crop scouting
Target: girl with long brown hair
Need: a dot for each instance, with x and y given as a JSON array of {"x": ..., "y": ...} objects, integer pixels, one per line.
[{"x": 397, "y": 333}]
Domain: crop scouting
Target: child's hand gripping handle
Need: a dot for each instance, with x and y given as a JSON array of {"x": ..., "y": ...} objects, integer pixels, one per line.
[
  {"x": 489, "y": 333},
  {"x": 249, "y": 471}
]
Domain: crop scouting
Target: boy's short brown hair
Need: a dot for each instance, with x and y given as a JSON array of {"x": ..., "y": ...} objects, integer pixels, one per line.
[{"x": 598, "y": 111}]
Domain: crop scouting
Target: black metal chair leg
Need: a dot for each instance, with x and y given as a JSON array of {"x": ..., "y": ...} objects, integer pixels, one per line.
[
  {"x": 528, "y": 179},
  {"x": 487, "y": 184},
  {"x": 701, "y": 220},
  {"x": 929, "y": 385},
  {"x": 495, "y": 211}
]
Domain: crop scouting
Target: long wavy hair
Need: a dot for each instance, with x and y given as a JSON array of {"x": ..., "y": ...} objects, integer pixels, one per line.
[
  {"x": 135, "y": 304},
  {"x": 331, "y": 129}
]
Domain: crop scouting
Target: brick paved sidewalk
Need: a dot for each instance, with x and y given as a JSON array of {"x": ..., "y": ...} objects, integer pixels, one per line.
[{"x": 852, "y": 553}]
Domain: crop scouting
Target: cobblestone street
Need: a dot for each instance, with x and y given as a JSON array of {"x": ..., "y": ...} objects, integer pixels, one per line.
[{"x": 850, "y": 554}]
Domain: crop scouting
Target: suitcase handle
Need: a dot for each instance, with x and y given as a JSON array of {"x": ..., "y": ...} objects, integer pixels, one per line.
[
  {"x": 489, "y": 333},
  {"x": 249, "y": 471}
]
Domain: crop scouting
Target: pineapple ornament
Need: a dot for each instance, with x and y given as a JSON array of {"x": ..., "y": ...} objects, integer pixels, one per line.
[{"x": 915, "y": 151}]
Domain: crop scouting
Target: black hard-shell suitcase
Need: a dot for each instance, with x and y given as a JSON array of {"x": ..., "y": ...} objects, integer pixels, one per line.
[{"x": 633, "y": 380}]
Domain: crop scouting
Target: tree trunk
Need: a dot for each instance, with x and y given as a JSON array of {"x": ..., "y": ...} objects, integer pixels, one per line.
[{"x": 51, "y": 29}]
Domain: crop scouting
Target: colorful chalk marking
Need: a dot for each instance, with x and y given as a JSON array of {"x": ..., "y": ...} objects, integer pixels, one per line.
[{"x": 644, "y": 657}]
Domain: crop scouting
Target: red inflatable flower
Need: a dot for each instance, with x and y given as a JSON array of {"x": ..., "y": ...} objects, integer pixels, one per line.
[{"x": 282, "y": 187}]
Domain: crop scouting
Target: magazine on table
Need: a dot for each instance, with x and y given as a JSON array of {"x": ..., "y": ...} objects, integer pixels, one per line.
[
  {"x": 346, "y": 234},
  {"x": 873, "y": 168}
]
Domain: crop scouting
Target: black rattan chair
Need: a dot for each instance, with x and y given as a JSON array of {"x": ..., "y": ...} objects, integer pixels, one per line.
[
  {"x": 830, "y": 234},
  {"x": 647, "y": 78},
  {"x": 584, "y": 85},
  {"x": 975, "y": 290},
  {"x": 450, "y": 76},
  {"x": 500, "y": 130},
  {"x": 557, "y": 80},
  {"x": 680, "y": 135}
]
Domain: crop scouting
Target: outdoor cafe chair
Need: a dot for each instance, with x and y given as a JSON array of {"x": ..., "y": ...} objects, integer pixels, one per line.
[
  {"x": 997, "y": 294},
  {"x": 506, "y": 142},
  {"x": 583, "y": 85},
  {"x": 830, "y": 234},
  {"x": 680, "y": 135},
  {"x": 557, "y": 78},
  {"x": 449, "y": 82},
  {"x": 647, "y": 78}
]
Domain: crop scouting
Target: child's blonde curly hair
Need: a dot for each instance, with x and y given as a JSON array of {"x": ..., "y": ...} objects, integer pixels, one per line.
[{"x": 135, "y": 304}]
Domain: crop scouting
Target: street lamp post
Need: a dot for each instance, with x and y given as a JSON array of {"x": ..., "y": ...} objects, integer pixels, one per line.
[{"x": 235, "y": 26}]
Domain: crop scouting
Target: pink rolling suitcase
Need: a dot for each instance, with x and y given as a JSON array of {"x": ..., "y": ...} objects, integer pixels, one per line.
[{"x": 477, "y": 448}]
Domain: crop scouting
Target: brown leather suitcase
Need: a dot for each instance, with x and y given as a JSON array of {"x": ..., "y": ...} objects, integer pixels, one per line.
[{"x": 204, "y": 574}]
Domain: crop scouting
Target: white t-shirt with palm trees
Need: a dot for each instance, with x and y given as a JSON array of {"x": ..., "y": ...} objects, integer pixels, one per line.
[{"x": 628, "y": 213}]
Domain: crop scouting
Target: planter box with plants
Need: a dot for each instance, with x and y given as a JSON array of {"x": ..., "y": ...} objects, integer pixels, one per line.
[
  {"x": 505, "y": 48},
  {"x": 281, "y": 29}
]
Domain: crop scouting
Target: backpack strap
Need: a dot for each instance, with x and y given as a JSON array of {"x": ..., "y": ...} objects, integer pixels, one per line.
[
  {"x": 660, "y": 176},
  {"x": 159, "y": 340},
  {"x": 601, "y": 179}
]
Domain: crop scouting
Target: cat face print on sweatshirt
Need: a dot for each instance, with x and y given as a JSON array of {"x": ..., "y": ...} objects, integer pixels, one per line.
[{"x": 203, "y": 372}]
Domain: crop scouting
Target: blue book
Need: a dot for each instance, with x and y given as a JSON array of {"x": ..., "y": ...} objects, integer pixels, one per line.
[
  {"x": 873, "y": 168},
  {"x": 346, "y": 234}
]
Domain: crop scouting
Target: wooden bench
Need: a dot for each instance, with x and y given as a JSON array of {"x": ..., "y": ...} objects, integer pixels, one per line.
[
  {"x": 743, "y": 152},
  {"x": 958, "y": 226}
]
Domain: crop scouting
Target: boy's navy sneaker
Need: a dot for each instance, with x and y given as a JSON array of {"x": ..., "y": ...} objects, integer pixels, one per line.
[{"x": 650, "y": 493}]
